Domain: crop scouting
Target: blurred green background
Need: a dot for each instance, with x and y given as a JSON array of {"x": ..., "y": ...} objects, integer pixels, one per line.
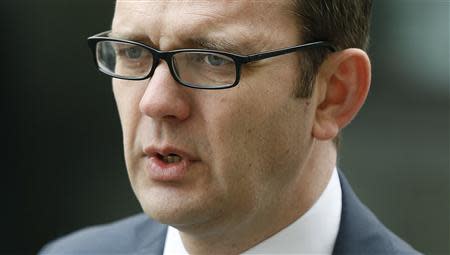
[{"x": 62, "y": 154}]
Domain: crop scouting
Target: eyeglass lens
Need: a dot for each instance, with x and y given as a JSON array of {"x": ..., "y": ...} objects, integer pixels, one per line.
[
  {"x": 204, "y": 69},
  {"x": 124, "y": 59}
]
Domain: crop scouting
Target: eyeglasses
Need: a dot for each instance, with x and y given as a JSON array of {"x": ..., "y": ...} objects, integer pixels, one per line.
[{"x": 194, "y": 68}]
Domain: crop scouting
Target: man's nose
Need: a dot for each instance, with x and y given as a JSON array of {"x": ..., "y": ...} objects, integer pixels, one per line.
[{"x": 164, "y": 98}]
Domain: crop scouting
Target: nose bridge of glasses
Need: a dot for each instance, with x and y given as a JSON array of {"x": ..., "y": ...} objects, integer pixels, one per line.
[{"x": 159, "y": 55}]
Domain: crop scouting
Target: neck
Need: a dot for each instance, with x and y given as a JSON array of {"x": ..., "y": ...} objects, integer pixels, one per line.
[{"x": 290, "y": 203}]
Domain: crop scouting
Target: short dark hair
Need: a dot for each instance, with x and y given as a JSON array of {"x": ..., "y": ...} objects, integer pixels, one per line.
[{"x": 344, "y": 23}]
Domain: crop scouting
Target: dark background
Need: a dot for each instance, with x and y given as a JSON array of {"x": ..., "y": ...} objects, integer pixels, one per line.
[{"x": 62, "y": 153}]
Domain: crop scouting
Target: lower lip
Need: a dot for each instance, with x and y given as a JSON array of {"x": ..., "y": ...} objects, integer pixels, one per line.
[{"x": 162, "y": 171}]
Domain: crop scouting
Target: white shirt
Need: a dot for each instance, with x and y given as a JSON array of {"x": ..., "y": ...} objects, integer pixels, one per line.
[{"x": 313, "y": 233}]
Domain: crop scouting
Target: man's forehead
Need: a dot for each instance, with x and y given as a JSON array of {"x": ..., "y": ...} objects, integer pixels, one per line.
[
  {"x": 188, "y": 18},
  {"x": 230, "y": 6}
]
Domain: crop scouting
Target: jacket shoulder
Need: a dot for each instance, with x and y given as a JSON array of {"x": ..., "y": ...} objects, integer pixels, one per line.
[
  {"x": 133, "y": 235},
  {"x": 361, "y": 232}
]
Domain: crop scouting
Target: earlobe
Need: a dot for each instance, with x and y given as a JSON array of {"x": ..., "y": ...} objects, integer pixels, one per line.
[{"x": 345, "y": 80}]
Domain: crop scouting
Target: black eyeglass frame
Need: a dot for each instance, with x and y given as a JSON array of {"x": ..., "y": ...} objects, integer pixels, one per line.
[{"x": 239, "y": 60}]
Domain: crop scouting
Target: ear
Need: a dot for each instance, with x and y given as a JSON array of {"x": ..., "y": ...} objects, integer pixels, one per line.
[{"x": 343, "y": 82}]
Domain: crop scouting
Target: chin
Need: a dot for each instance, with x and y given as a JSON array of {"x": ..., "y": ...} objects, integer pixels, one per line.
[
  {"x": 166, "y": 216},
  {"x": 163, "y": 204},
  {"x": 174, "y": 216},
  {"x": 177, "y": 209}
]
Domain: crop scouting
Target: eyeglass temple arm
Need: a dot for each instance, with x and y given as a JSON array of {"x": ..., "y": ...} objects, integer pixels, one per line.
[
  {"x": 102, "y": 34},
  {"x": 268, "y": 54}
]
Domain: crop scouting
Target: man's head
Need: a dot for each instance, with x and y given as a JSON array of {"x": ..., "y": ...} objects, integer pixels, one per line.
[{"x": 212, "y": 162}]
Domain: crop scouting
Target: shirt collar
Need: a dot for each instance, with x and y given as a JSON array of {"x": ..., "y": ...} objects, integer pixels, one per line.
[{"x": 313, "y": 233}]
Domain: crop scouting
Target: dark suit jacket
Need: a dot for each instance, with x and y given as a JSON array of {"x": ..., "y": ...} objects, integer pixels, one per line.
[{"x": 360, "y": 232}]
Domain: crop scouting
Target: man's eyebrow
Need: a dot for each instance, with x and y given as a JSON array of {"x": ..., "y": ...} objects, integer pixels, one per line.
[
  {"x": 222, "y": 45},
  {"x": 129, "y": 37},
  {"x": 219, "y": 44}
]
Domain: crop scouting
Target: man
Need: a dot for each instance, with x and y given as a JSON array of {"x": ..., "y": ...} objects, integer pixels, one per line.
[{"x": 230, "y": 112}]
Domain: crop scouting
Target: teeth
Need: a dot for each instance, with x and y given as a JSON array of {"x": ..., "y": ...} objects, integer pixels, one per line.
[{"x": 171, "y": 159}]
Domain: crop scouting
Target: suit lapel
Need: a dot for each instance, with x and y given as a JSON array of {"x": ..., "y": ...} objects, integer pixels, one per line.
[{"x": 360, "y": 232}]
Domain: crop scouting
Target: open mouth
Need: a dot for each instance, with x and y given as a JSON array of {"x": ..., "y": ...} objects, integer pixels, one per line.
[
  {"x": 168, "y": 163},
  {"x": 170, "y": 159}
]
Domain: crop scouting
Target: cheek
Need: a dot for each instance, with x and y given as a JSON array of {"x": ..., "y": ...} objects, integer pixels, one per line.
[
  {"x": 256, "y": 139},
  {"x": 127, "y": 98}
]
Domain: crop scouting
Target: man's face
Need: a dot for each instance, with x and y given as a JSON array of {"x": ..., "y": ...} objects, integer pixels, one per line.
[{"x": 234, "y": 151}]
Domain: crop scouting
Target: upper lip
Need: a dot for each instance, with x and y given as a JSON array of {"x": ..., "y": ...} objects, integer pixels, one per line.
[{"x": 151, "y": 151}]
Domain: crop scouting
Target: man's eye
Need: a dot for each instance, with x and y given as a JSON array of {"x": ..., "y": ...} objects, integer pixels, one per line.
[
  {"x": 134, "y": 52},
  {"x": 216, "y": 60}
]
